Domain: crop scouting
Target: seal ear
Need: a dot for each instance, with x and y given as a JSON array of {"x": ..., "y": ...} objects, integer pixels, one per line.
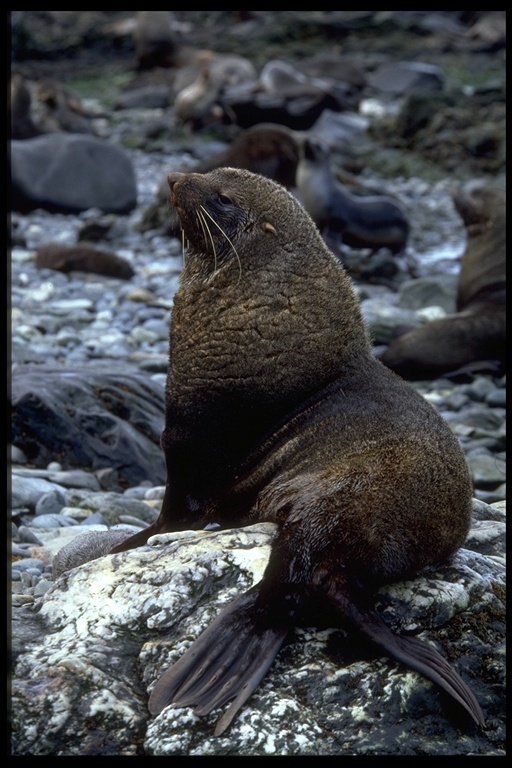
[{"x": 267, "y": 227}]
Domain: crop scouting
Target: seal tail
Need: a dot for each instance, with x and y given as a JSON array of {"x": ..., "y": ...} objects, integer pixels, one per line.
[
  {"x": 411, "y": 651},
  {"x": 227, "y": 661}
]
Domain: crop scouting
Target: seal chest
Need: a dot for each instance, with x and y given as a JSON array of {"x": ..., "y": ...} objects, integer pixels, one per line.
[{"x": 277, "y": 410}]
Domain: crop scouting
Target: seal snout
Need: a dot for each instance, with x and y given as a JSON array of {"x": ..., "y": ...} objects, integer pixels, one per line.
[{"x": 173, "y": 178}]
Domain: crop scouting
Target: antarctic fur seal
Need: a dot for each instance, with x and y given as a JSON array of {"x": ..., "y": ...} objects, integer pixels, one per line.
[
  {"x": 473, "y": 337},
  {"x": 197, "y": 104},
  {"x": 200, "y": 85},
  {"x": 84, "y": 258},
  {"x": 371, "y": 221},
  {"x": 269, "y": 149},
  {"x": 156, "y": 42},
  {"x": 277, "y": 410},
  {"x": 19, "y": 105}
]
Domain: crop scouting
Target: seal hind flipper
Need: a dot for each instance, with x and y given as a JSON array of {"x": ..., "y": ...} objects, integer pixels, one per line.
[
  {"x": 411, "y": 651},
  {"x": 227, "y": 661},
  {"x": 423, "y": 658}
]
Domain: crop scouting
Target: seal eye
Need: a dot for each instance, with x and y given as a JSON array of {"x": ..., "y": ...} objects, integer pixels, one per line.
[{"x": 225, "y": 200}]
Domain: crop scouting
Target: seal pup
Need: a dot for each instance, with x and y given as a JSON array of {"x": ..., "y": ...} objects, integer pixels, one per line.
[
  {"x": 84, "y": 258},
  {"x": 276, "y": 410},
  {"x": 370, "y": 221},
  {"x": 62, "y": 109},
  {"x": 200, "y": 85},
  {"x": 472, "y": 338},
  {"x": 227, "y": 69},
  {"x": 198, "y": 103}
]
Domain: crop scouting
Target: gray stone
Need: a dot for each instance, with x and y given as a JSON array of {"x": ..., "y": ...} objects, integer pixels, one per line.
[
  {"x": 71, "y": 173},
  {"x": 486, "y": 469},
  {"x": 26, "y": 491},
  {"x": 405, "y": 76},
  {"x": 52, "y": 521},
  {"x": 113, "y": 506},
  {"x": 382, "y": 318},
  {"x": 50, "y": 503},
  {"x": 437, "y": 291},
  {"x": 27, "y": 563},
  {"x": 497, "y": 398}
]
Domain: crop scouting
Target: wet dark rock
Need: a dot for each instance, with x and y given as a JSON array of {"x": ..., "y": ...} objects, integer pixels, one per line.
[
  {"x": 91, "y": 418},
  {"x": 298, "y": 113},
  {"x": 452, "y": 130}
]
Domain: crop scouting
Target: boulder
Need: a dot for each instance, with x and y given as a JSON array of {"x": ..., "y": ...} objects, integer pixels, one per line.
[
  {"x": 109, "y": 628},
  {"x": 69, "y": 173},
  {"x": 90, "y": 418}
]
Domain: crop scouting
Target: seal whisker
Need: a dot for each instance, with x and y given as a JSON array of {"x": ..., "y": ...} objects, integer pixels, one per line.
[
  {"x": 202, "y": 224},
  {"x": 183, "y": 247},
  {"x": 205, "y": 227},
  {"x": 229, "y": 241}
]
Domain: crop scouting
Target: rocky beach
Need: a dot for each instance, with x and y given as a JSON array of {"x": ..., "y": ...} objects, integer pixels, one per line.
[{"x": 89, "y": 357}]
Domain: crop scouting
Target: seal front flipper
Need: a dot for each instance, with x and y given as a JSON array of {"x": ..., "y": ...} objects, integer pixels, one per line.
[
  {"x": 227, "y": 661},
  {"x": 411, "y": 651}
]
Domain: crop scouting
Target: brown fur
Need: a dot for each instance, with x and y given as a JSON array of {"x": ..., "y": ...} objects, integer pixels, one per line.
[
  {"x": 268, "y": 149},
  {"x": 474, "y": 336},
  {"x": 84, "y": 258},
  {"x": 62, "y": 109},
  {"x": 277, "y": 410}
]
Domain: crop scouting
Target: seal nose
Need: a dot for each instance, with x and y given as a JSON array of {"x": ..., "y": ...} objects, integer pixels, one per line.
[{"x": 174, "y": 177}]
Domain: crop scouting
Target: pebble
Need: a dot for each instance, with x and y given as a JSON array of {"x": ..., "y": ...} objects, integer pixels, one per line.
[{"x": 80, "y": 318}]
